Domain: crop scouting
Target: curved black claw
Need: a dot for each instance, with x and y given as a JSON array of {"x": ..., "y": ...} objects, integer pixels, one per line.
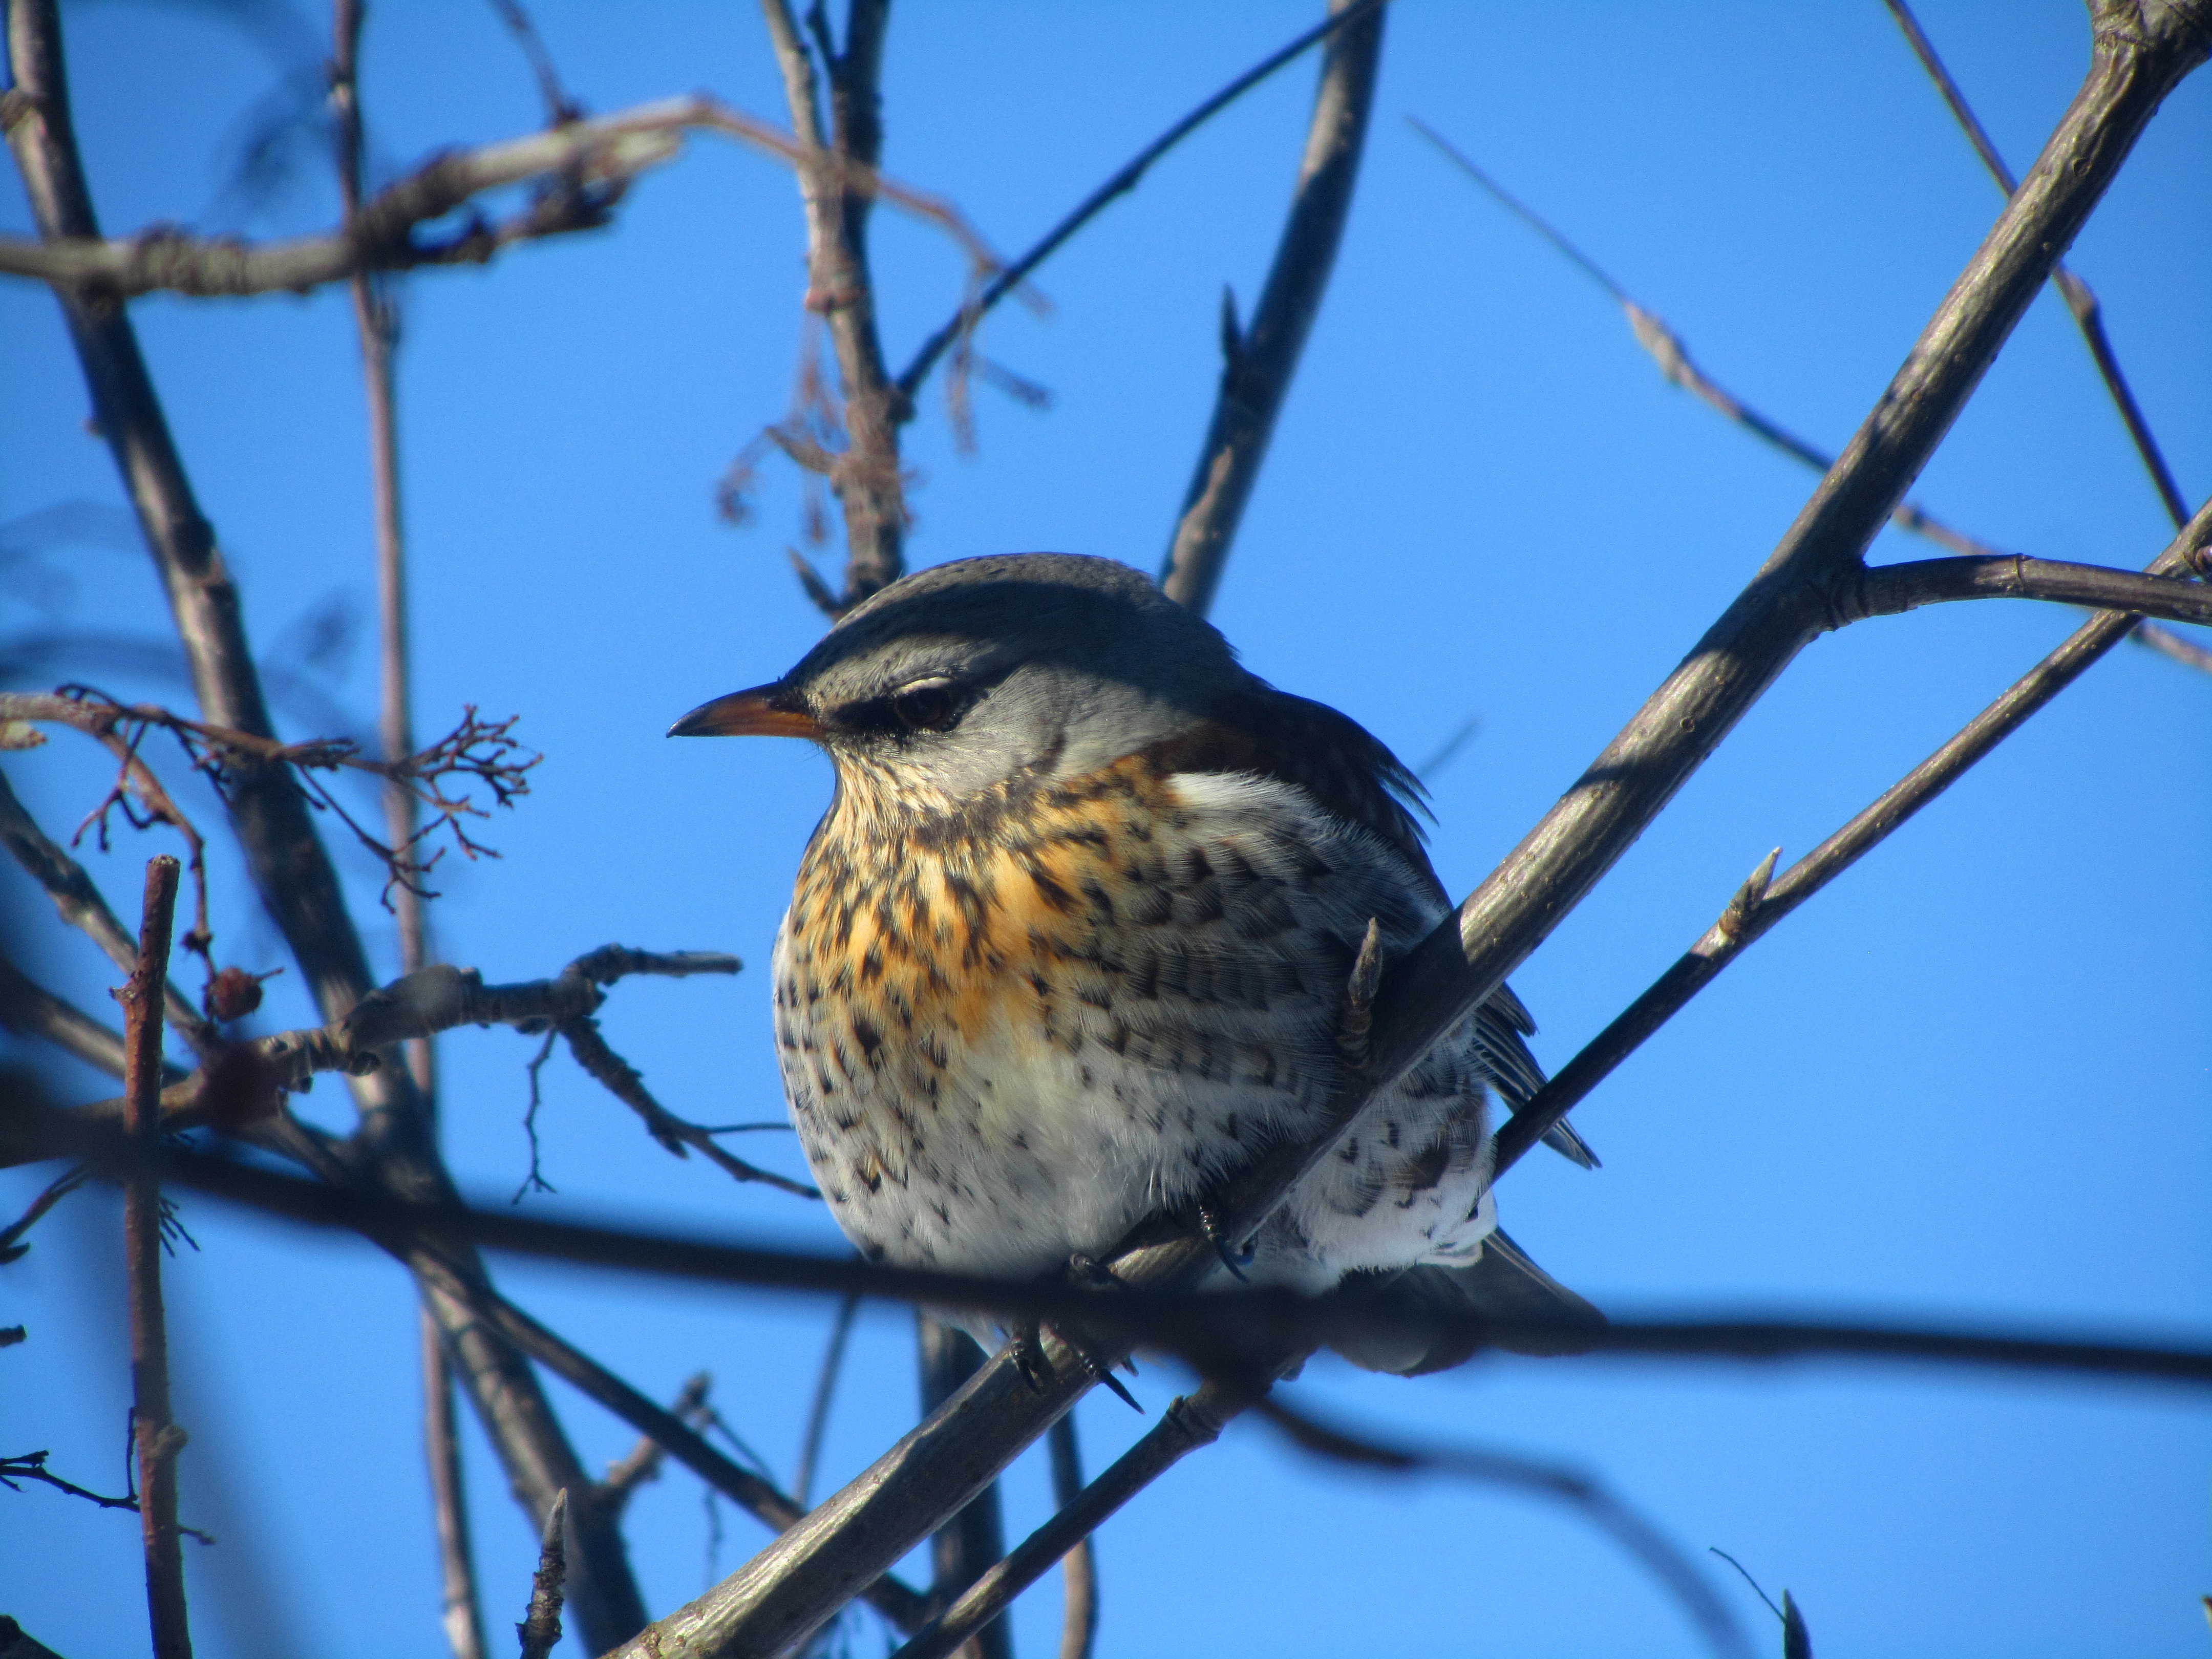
[
  {"x": 1120, "y": 1393},
  {"x": 1028, "y": 1354},
  {"x": 1210, "y": 1224}
]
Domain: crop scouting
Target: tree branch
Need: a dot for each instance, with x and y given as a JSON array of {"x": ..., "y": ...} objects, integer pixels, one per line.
[
  {"x": 1665, "y": 1560},
  {"x": 1890, "y": 590},
  {"x": 290, "y": 866},
  {"x": 1189, "y": 1422},
  {"x": 1078, "y": 1568},
  {"x": 155, "y": 1438},
  {"x": 2088, "y": 315},
  {"x": 866, "y": 476},
  {"x": 460, "y": 1613},
  {"x": 965, "y": 1547},
  {"x": 82, "y": 906},
  {"x": 826, "y": 1390},
  {"x": 1258, "y": 363},
  {"x": 1761, "y": 903},
  {"x": 797, "y": 1583},
  {"x": 962, "y": 322}
]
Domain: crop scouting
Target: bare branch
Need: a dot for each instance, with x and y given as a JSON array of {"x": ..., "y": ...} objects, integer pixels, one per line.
[
  {"x": 2088, "y": 315},
  {"x": 290, "y": 866},
  {"x": 826, "y": 1390},
  {"x": 1189, "y": 1422},
  {"x": 54, "y": 1192},
  {"x": 1258, "y": 363},
  {"x": 460, "y": 1613},
  {"x": 867, "y": 475},
  {"x": 965, "y": 1547},
  {"x": 540, "y": 1629},
  {"x": 83, "y": 907},
  {"x": 1762, "y": 902},
  {"x": 620, "y": 1079},
  {"x": 1220, "y": 1331},
  {"x": 2168, "y": 643},
  {"x": 29, "y": 1009},
  {"x": 640, "y": 1466},
  {"x": 964, "y": 322},
  {"x": 1891, "y": 589},
  {"x": 1666, "y": 1561},
  {"x": 419, "y": 1005},
  {"x": 156, "y": 1439},
  {"x": 1078, "y": 1568},
  {"x": 559, "y": 106}
]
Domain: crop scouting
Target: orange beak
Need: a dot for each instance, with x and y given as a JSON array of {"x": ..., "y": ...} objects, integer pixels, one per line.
[{"x": 761, "y": 712}]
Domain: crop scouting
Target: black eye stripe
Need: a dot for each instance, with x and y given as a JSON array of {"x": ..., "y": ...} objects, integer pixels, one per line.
[{"x": 932, "y": 705}]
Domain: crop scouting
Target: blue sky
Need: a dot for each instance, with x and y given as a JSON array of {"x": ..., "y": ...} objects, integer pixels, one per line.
[{"x": 1969, "y": 1081}]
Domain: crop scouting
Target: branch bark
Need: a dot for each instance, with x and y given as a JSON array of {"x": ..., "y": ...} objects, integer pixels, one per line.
[
  {"x": 155, "y": 1438},
  {"x": 866, "y": 476},
  {"x": 1258, "y": 363}
]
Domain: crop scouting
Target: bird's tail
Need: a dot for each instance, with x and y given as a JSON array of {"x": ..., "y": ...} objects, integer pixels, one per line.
[{"x": 1502, "y": 1283}]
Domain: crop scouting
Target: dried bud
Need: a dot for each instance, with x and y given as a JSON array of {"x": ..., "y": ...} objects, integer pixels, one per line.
[{"x": 232, "y": 995}]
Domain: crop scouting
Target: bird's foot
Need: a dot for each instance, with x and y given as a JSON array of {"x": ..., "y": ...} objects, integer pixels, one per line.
[
  {"x": 1025, "y": 1346},
  {"x": 1216, "y": 1233}
]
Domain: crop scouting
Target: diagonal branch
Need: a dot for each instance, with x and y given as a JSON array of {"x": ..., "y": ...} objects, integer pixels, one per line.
[
  {"x": 964, "y": 321},
  {"x": 1762, "y": 902},
  {"x": 1258, "y": 363},
  {"x": 1078, "y": 1568},
  {"x": 797, "y": 1583},
  {"x": 82, "y": 906},
  {"x": 2088, "y": 315}
]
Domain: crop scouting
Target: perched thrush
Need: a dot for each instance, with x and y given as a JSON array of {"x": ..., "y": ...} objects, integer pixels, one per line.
[{"x": 1071, "y": 946}]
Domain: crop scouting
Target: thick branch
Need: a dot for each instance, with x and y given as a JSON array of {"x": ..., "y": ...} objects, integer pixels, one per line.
[
  {"x": 1256, "y": 375},
  {"x": 1890, "y": 590},
  {"x": 965, "y": 1547}
]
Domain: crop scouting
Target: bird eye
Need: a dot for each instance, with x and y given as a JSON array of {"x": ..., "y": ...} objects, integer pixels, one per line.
[{"x": 933, "y": 705}]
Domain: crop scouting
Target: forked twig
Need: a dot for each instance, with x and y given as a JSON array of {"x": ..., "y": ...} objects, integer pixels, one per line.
[{"x": 1258, "y": 363}]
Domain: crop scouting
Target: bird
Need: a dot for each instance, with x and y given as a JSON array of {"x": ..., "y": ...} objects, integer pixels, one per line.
[{"x": 1070, "y": 948}]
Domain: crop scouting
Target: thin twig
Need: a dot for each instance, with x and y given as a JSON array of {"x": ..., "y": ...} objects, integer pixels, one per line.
[
  {"x": 82, "y": 906},
  {"x": 1258, "y": 363},
  {"x": 1189, "y": 1422},
  {"x": 1675, "y": 1568},
  {"x": 866, "y": 476},
  {"x": 540, "y": 1629},
  {"x": 559, "y": 106},
  {"x": 1668, "y": 350},
  {"x": 53, "y": 1193},
  {"x": 157, "y": 1439},
  {"x": 1762, "y": 902},
  {"x": 964, "y": 321},
  {"x": 825, "y": 1391},
  {"x": 2088, "y": 315},
  {"x": 1078, "y": 1568},
  {"x": 640, "y": 1465},
  {"x": 460, "y": 1613}
]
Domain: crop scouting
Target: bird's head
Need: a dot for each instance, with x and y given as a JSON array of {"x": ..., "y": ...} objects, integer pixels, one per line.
[{"x": 973, "y": 674}]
